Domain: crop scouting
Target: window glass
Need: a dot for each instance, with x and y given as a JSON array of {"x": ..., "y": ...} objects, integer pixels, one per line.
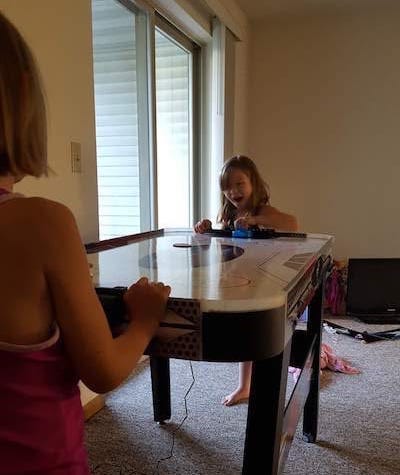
[
  {"x": 137, "y": 188},
  {"x": 174, "y": 154}
]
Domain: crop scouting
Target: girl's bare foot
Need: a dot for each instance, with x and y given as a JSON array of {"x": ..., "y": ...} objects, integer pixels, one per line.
[{"x": 238, "y": 395}]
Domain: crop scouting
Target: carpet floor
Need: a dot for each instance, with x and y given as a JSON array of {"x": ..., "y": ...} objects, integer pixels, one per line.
[{"x": 359, "y": 423}]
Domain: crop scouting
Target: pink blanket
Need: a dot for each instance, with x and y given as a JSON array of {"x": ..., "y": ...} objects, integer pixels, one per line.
[{"x": 329, "y": 361}]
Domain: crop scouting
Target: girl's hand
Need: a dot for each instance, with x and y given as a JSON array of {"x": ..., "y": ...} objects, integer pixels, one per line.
[
  {"x": 146, "y": 302},
  {"x": 244, "y": 222},
  {"x": 203, "y": 226}
]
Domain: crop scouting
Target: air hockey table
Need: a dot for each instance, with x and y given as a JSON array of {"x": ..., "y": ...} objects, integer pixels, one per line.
[{"x": 232, "y": 299}]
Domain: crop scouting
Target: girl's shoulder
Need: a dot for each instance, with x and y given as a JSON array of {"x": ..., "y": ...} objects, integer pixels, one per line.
[
  {"x": 281, "y": 220},
  {"x": 51, "y": 213},
  {"x": 38, "y": 228},
  {"x": 267, "y": 208},
  {"x": 39, "y": 205},
  {"x": 264, "y": 208},
  {"x": 41, "y": 216},
  {"x": 42, "y": 203}
]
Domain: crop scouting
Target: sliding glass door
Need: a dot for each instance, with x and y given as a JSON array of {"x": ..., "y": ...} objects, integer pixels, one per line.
[{"x": 146, "y": 175}]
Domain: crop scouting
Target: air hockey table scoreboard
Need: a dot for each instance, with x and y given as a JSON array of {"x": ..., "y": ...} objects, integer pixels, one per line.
[{"x": 232, "y": 299}]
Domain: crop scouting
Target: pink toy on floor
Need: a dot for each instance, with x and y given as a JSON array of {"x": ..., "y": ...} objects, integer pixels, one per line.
[{"x": 330, "y": 361}]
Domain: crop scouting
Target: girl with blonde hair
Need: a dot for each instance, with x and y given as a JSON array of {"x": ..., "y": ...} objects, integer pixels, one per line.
[{"x": 53, "y": 330}]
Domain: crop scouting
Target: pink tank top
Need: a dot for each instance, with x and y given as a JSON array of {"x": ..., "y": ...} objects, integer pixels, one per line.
[{"x": 41, "y": 416}]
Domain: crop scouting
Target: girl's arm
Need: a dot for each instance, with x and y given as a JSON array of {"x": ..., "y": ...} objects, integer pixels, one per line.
[
  {"x": 100, "y": 361},
  {"x": 269, "y": 217}
]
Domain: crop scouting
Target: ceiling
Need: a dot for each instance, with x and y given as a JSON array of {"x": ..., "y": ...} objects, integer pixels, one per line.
[{"x": 255, "y": 9}]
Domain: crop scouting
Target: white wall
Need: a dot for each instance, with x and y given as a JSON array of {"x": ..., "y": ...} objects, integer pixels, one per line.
[
  {"x": 241, "y": 117},
  {"x": 235, "y": 19},
  {"x": 59, "y": 33},
  {"x": 324, "y": 124}
]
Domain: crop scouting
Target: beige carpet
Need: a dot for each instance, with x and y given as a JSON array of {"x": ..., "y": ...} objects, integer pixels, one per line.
[{"x": 358, "y": 430}]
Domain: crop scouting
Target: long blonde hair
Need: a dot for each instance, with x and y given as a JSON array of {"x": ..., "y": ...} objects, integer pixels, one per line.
[
  {"x": 260, "y": 195},
  {"x": 23, "y": 126}
]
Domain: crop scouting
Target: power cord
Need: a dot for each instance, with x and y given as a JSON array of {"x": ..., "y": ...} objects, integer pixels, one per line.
[
  {"x": 171, "y": 453},
  {"x": 130, "y": 471}
]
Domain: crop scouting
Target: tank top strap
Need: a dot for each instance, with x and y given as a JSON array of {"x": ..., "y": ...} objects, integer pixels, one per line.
[
  {"x": 6, "y": 195},
  {"x": 51, "y": 341}
]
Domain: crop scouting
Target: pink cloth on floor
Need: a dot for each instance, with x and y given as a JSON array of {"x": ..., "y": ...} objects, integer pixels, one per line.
[
  {"x": 330, "y": 361},
  {"x": 335, "y": 363}
]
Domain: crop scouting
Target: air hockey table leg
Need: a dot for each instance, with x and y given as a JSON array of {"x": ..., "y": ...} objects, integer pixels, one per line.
[
  {"x": 265, "y": 415},
  {"x": 161, "y": 388},
  {"x": 314, "y": 325}
]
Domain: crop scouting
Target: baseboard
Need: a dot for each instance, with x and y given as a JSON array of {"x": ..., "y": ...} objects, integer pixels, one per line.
[
  {"x": 95, "y": 402},
  {"x": 93, "y": 406}
]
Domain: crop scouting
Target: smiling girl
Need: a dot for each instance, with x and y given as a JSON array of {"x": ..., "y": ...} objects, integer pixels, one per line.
[{"x": 245, "y": 204}]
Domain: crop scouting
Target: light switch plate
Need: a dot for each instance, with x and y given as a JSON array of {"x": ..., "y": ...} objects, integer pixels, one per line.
[{"x": 76, "y": 157}]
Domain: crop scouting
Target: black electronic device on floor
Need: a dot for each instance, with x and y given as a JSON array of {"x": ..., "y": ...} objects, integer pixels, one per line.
[{"x": 373, "y": 290}]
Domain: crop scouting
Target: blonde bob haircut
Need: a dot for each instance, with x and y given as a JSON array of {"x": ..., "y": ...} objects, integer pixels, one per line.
[{"x": 23, "y": 126}]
